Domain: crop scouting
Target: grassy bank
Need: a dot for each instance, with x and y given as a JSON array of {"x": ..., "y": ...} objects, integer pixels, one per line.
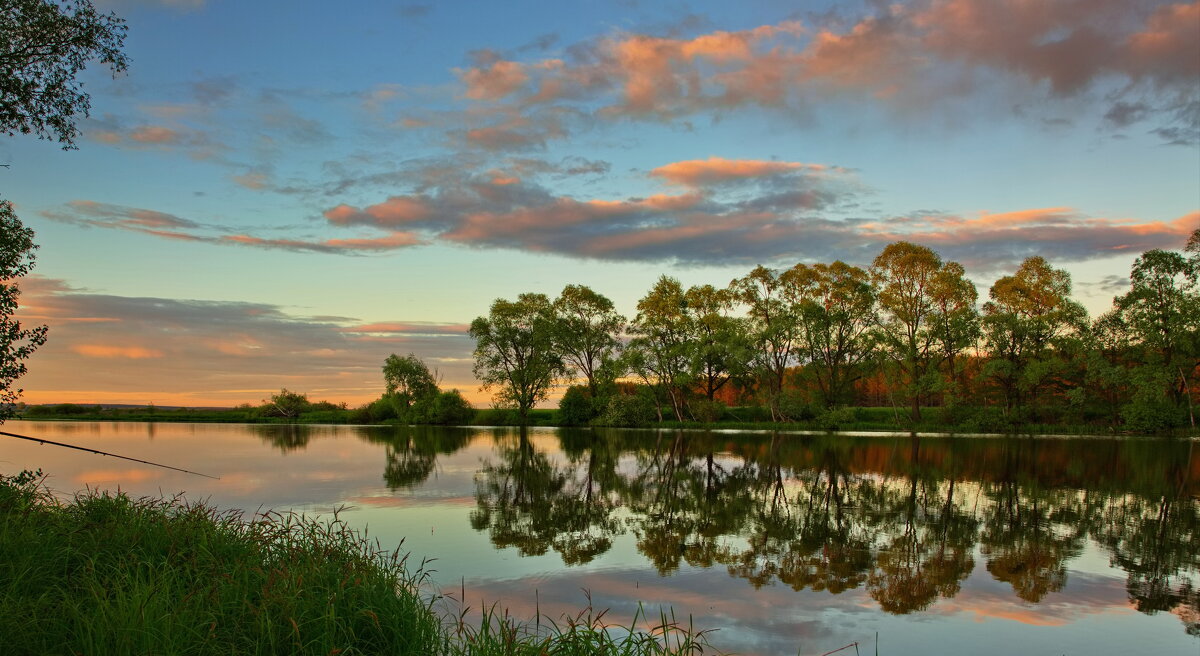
[
  {"x": 107, "y": 574},
  {"x": 733, "y": 418}
]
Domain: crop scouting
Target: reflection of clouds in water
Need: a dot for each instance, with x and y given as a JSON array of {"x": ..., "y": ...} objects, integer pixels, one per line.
[
  {"x": 781, "y": 542},
  {"x": 114, "y": 477},
  {"x": 775, "y": 620}
]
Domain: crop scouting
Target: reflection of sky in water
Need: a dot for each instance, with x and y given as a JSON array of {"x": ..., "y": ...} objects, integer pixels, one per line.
[{"x": 318, "y": 469}]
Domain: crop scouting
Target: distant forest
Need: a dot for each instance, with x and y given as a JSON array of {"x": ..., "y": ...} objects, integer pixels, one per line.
[
  {"x": 905, "y": 343},
  {"x": 823, "y": 343}
]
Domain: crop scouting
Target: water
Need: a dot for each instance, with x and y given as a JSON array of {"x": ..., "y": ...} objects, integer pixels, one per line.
[{"x": 784, "y": 543}]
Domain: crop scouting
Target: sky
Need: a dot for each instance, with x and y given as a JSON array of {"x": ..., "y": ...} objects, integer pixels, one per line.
[{"x": 282, "y": 194}]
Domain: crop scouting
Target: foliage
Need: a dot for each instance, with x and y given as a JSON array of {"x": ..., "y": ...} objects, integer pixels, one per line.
[
  {"x": 576, "y": 407},
  {"x": 17, "y": 342},
  {"x": 774, "y": 331},
  {"x": 835, "y": 310},
  {"x": 1028, "y": 316},
  {"x": 920, "y": 297},
  {"x": 107, "y": 574},
  {"x": 443, "y": 408},
  {"x": 44, "y": 44},
  {"x": 514, "y": 351},
  {"x": 659, "y": 352},
  {"x": 629, "y": 410},
  {"x": 286, "y": 404},
  {"x": 586, "y": 333},
  {"x": 408, "y": 380}
]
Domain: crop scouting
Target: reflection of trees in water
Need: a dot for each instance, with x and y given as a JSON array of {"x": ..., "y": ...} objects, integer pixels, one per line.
[
  {"x": 286, "y": 437},
  {"x": 683, "y": 499},
  {"x": 901, "y": 518},
  {"x": 528, "y": 502}
]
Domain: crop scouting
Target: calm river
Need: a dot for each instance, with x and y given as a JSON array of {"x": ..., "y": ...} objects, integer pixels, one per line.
[{"x": 784, "y": 543}]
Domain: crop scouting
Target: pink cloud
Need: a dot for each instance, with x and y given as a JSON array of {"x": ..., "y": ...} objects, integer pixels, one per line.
[
  {"x": 396, "y": 210},
  {"x": 154, "y": 134},
  {"x": 107, "y": 351},
  {"x": 713, "y": 170},
  {"x": 495, "y": 81}
]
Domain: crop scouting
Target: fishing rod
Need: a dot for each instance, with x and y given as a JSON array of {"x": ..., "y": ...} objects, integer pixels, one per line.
[{"x": 105, "y": 453}]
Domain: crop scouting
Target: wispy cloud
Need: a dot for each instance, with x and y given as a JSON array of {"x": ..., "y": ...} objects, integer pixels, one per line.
[{"x": 713, "y": 211}]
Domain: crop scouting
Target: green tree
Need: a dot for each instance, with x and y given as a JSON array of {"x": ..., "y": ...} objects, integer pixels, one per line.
[
  {"x": 587, "y": 333},
  {"x": 836, "y": 311},
  {"x": 17, "y": 342},
  {"x": 720, "y": 350},
  {"x": 287, "y": 404},
  {"x": 514, "y": 351},
  {"x": 905, "y": 276},
  {"x": 774, "y": 330},
  {"x": 955, "y": 323},
  {"x": 44, "y": 44},
  {"x": 408, "y": 380},
  {"x": 660, "y": 352},
  {"x": 1162, "y": 310},
  {"x": 1029, "y": 313}
]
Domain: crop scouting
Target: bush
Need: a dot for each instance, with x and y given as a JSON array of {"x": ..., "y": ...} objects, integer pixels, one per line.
[
  {"x": 707, "y": 411},
  {"x": 443, "y": 409},
  {"x": 628, "y": 410},
  {"x": 576, "y": 407},
  {"x": 836, "y": 418}
]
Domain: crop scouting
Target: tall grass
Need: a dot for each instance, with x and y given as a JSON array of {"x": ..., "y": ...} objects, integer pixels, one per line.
[{"x": 108, "y": 574}]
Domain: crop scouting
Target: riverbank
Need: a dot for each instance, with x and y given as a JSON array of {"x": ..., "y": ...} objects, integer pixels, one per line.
[
  {"x": 107, "y": 574},
  {"x": 871, "y": 419}
]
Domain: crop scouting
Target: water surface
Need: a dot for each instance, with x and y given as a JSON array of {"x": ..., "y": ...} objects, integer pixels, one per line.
[{"x": 785, "y": 543}]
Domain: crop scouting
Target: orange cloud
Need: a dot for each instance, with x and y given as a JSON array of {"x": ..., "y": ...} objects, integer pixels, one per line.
[
  {"x": 393, "y": 211},
  {"x": 154, "y": 134},
  {"x": 698, "y": 172},
  {"x": 494, "y": 82},
  {"x": 105, "y": 351}
]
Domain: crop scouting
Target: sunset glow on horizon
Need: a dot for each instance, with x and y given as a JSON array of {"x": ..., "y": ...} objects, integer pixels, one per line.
[{"x": 281, "y": 195}]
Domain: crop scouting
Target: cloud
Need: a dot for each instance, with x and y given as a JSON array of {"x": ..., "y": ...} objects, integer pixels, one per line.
[
  {"x": 902, "y": 56},
  {"x": 715, "y": 170},
  {"x": 197, "y": 143},
  {"x": 414, "y": 10},
  {"x": 227, "y": 349},
  {"x": 712, "y": 211},
  {"x": 168, "y": 226},
  {"x": 107, "y": 351},
  {"x": 494, "y": 81}
]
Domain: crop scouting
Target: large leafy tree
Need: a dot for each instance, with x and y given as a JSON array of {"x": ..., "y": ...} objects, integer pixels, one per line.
[
  {"x": 408, "y": 380},
  {"x": 587, "y": 333},
  {"x": 836, "y": 310},
  {"x": 514, "y": 351},
  {"x": 660, "y": 352},
  {"x": 907, "y": 278},
  {"x": 720, "y": 350},
  {"x": 1162, "y": 310},
  {"x": 1028, "y": 315},
  {"x": 774, "y": 330},
  {"x": 44, "y": 44},
  {"x": 17, "y": 342}
]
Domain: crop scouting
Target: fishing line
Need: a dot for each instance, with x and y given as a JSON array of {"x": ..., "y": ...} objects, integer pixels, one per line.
[{"x": 105, "y": 453}]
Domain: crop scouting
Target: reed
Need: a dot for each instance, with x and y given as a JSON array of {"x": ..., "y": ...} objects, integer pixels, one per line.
[{"x": 104, "y": 573}]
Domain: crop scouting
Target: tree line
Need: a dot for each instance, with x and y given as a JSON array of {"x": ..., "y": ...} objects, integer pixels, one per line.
[{"x": 909, "y": 333}]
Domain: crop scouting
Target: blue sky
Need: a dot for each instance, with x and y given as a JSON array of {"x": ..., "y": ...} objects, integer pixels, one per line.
[{"x": 281, "y": 194}]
